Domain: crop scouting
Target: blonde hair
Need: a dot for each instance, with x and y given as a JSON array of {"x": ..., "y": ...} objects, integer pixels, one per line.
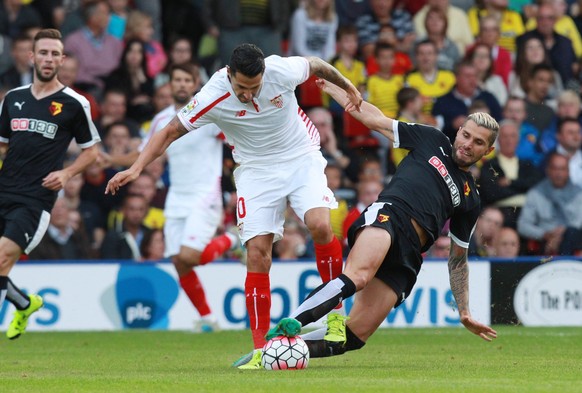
[
  {"x": 328, "y": 13},
  {"x": 135, "y": 23},
  {"x": 485, "y": 120}
]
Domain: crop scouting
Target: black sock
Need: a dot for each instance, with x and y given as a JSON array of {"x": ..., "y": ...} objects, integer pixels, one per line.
[
  {"x": 322, "y": 348},
  {"x": 324, "y": 299},
  {"x": 3, "y": 288},
  {"x": 15, "y": 296}
]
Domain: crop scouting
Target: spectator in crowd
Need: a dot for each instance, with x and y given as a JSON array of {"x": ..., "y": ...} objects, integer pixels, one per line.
[
  {"x": 402, "y": 62},
  {"x": 6, "y": 60},
  {"x": 330, "y": 146},
  {"x": 235, "y": 21},
  {"x": 144, "y": 185},
  {"x": 489, "y": 34},
  {"x": 349, "y": 11},
  {"x": 20, "y": 73},
  {"x": 62, "y": 240},
  {"x": 569, "y": 139},
  {"x": 483, "y": 240},
  {"x": 441, "y": 249},
  {"x": 93, "y": 221},
  {"x": 15, "y": 16},
  {"x": 383, "y": 12},
  {"x": 383, "y": 86},
  {"x": 458, "y": 29},
  {"x": 561, "y": 52},
  {"x": 452, "y": 108},
  {"x": 98, "y": 51},
  {"x": 436, "y": 31},
  {"x": 368, "y": 191},
  {"x": 569, "y": 107},
  {"x": 118, "y": 18},
  {"x": 564, "y": 24},
  {"x": 95, "y": 178},
  {"x": 510, "y": 22},
  {"x": 140, "y": 27},
  {"x": 507, "y": 243},
  {"x": 157, "y": 170},
  {"x": 333, "y": 174},
  {"x": 114, "y": 109},
  {"x": 294, "y": 242},
  {"x": 347, "y": 63},
  {"x": 480, "y": 56},
  {"x": 180, "y": 52},
  {"x": 427, "y": 78},
  {"x": 152, "y": 246},
  {"x": 68, "y": 75},
  {"x": 528, "y": 145},
  {"x": 505, "y": 179},
  {"x": 530, "y": 54},
  {"x": 313, "y": 29},
  {"x": 162, "y": 99},
  {"x": 124, "y": 239},
  {"x": 539, "y": 109},
  {"x": 132, "y": 78},
  {"x": 551, "y": 214}
]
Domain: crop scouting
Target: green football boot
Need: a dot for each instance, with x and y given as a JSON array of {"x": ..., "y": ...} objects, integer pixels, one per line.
[{"x": 20, "y": 320}]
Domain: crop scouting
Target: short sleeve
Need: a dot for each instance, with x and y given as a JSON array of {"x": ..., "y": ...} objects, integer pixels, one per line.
[
  {"x": 4, "y": 123},
  {"x": 462, "y": 226},
  {"x": 201, "y": 110}
]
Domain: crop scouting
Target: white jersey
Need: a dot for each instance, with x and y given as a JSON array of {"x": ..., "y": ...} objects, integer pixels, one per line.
[
  {"x": 195, "y": 162},
  {"x": 271, "y": 128}
]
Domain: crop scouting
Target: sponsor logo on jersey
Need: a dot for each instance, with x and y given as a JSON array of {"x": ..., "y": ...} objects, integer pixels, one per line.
[
  {"x": 189, "y": 106},
  {"x": 383, "y": 217},
  {"x": 277, "y": 101},
  {"x": 241, "y": 113},
  {"x": 466, "y": 189},
  {"x": 55, "y": 108},
  {"x": 442, "y": 170},
  {"x": 19, "y": 105},
  {"x": 46, "y": 129}
]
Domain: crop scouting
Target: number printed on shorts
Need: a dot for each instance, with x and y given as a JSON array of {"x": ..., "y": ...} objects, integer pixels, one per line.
[{"x": 241, "y": 209}]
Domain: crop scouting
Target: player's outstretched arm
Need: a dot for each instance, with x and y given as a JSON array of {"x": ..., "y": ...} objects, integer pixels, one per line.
[
  {"x": 156, "y": 146},
  {"x": 326, "y": 71},
  {"x": 459, "y": 280},
  {"x": 56, "y": 180},
  {"x": 369, "y": 115}
]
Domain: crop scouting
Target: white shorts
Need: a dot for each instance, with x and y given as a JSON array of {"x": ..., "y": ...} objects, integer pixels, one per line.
[
  {"x": 263, "y": 194},
  {"x": 194, "y": 230}
]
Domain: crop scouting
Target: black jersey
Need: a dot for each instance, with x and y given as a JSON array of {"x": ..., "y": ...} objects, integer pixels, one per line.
[
  {"x": 38, "y": 133},
  {"x": 430, "y": 187}
]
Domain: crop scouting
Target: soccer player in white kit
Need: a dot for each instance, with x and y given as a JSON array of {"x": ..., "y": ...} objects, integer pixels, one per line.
[
  {"x": 193, "y": 208},
  {"x": 277, "y": 146}
]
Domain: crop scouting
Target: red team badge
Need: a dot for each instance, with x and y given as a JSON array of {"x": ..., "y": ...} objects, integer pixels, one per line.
[
  {"x": 277, "y": 101},
  {"x": 55, "y": 108},
  {"x": 467, "y": 189},
  {"x": 241, "y": 113},
  {"x": 383, "y": 217}
]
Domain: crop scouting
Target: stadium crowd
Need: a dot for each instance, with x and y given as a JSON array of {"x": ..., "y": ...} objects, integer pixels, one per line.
[{"x": 425, "y": 61}]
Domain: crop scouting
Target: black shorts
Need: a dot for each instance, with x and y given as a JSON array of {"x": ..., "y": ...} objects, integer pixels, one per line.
[
  {"x": 23, "y": 224},
  {"x": 404, "y": 259}
]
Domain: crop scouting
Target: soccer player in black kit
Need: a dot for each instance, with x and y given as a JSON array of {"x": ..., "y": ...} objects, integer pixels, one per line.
[
  {"x": 431, "y": 185},
  {"x": 37, "y": 123}
]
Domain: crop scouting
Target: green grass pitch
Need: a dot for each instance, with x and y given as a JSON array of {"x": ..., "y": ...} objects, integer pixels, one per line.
[{"x": 394, "y": 360}]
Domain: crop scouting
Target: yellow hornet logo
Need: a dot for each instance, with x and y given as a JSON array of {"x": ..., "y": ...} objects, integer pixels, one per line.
[
  {"x": 56, "y": 108},
  {"x": 383, "y": 217},
  {"x": 467, "y": 189}
]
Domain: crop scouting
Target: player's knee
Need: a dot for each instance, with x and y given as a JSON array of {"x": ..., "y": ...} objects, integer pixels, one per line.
[
  {"x": 320, "y": 231},
  {"x": 186, "y": 260},
  {"x": 7, "y": 261},
  {"x": 258, "y": 260}
]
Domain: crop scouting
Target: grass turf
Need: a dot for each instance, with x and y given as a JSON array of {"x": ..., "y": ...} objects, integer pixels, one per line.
[{"x": 394, "y": 360}]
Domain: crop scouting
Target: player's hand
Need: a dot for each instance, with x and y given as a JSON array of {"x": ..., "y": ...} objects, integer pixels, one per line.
[
  {"x": 55, "y": 181},
  {"x": 119, "y": 180},
  {"x": 481, "y": 330},
  {"x": 355, "y": 99}
]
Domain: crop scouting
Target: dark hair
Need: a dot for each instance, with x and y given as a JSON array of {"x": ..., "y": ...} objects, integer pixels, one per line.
[
  {"x": 146, "y": 241},
  {"x": 53, "y": 34},
  {"x": 406, "y": 95},
  {"x": 540, "y": 67},
  {"x": 439, "y": 12},
  {"x": 565, "y": 120},
  {"x": 248, "y": 59},
  {"x": 89, "y": 7},
  {"x": 380, "y": 46},
  {"x": 424, "y": 42},
  {"x": 346, "y": 30},
  {"x": 189, "y": 68}
]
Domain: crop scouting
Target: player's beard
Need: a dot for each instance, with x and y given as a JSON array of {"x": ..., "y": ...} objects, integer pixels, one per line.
[
  {"x": 41, "y": 77},
  {"x": 462, "y": 163}
]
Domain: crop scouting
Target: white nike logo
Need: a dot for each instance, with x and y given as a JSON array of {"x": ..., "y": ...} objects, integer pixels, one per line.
[
  {"x": 444, "y": 154},
  {"x": 19, "y": 104}
]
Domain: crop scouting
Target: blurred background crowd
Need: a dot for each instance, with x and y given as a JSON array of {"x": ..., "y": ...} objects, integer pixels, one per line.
[{"x": 424, "y": 61}]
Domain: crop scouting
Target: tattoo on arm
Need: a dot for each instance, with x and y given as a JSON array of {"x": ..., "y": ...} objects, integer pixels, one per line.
[
  {"x": 459, "y": 280},
  {"x": 177, "y": 127},
  {"x": 327, "y": 72}
]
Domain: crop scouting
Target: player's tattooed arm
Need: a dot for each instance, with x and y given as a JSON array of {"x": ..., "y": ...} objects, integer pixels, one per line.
[
  {"x": 459, "y": 278},
  {"x": 329, "y": 73}
]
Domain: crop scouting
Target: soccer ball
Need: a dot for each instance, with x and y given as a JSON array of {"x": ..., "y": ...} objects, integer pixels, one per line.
[{"x": 285, "y": 353}]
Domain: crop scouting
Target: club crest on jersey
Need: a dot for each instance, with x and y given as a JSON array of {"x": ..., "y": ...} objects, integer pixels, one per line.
[
  {"x": 383, "y": 217},
  {"x": 277, "y": 101},
  {"x": 466, "y": 189},
  {"x": 55, "y": 108}
]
